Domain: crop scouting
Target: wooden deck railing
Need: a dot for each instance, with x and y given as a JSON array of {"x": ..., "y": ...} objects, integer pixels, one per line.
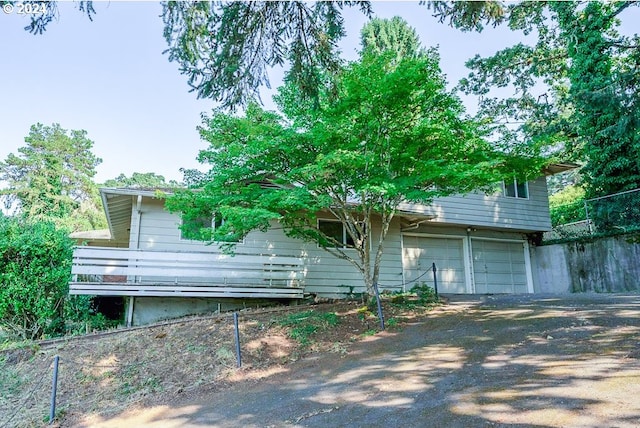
[{"x": 124, "y": 272}]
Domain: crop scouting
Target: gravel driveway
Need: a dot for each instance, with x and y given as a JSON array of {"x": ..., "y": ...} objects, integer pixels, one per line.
[{"x": 525, "y": 361}]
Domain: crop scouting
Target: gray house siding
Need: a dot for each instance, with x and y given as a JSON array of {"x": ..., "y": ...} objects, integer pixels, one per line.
[
  {"x": 494, "y": 211},
  {"x": 326, "y": 275},
  {"x": 458, "y": 222}
]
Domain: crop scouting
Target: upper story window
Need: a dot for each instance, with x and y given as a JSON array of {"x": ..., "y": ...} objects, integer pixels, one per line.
[
  {"x": 201, "y": 228},
  {"x": 516, "y": 189},
  {"x": 335, "y": 229}
]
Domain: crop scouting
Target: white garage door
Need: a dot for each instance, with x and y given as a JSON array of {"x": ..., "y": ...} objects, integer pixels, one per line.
[
  {"x": 419, "y": 254},
  {"x": 499, "y": 267}
]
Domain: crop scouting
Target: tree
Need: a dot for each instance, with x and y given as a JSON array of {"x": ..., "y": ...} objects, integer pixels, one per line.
[
  {"x": 228, "y": 62},
  {"x": 41, "y": 13},
  {"x": 51, "y": 177},
  {"x": 35, "y": 268},
  {"x": 590, "y": 109},
  {"x": 391, "y": 134},
  {"x": 146, "y": 180},
  {"x": 393, "y": 34}
]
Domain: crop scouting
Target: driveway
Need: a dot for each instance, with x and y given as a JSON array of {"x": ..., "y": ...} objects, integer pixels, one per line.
[{"x": 524, "y": 361}]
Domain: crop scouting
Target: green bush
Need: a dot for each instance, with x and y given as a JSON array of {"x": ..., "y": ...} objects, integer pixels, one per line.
[
  {"x": 425, "y": 293},
  {"x": 567, "y": 205},
  {"x": 306, "y": 324},
  {"x": 35, "y": 266}
]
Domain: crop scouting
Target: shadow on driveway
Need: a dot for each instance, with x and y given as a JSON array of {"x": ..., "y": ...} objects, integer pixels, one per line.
[{"x": 517, "y": 361}]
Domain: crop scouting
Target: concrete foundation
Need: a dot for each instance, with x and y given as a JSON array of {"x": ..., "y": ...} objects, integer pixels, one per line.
[{"x": 147, "y": 310}]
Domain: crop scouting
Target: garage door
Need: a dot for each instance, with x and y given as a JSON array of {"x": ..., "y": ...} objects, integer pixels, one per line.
[
  {"x": 419, "y": 253},
  {"x": 499, "y": 267}
]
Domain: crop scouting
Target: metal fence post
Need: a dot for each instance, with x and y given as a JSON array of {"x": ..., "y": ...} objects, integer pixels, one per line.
[
  {"x": 435, "y": 279},
  {"x": 586, "y": 213},
  {"x": 54, "y": 389},
  {"x": 237, "y": 333}
]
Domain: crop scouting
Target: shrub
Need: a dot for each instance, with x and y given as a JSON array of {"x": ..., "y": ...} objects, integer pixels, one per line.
[
  {"x": 306, "y": 324},
  {"x": 35, "y": 266},
  {"x": 425, "y": 293},
  {"x": 567, "y": 205}
]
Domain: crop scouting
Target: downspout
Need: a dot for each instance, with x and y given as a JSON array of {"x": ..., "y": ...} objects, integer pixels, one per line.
[{"x": 138, "y": 218}]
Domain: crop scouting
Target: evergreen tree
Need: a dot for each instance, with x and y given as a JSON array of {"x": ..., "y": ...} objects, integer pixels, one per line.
[
  {"x": 591, "y": 108},
  {"x": 380, "y": 35},
  {"x": 51, "y": 178},
  {"x": 226, "y": 48}
]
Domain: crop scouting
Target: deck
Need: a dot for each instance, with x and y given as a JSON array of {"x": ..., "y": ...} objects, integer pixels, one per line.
[{"x": 125, "y": 272}]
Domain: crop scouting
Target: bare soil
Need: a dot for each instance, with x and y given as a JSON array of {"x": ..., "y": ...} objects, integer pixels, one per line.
[
  {"x": 106, "y": 373},
  {"x": 525, "y": 361}
]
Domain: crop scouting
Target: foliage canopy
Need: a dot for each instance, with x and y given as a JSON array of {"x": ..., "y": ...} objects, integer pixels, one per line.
[
  {"x": 38, "y": 22},
  {"x": 226, "y": 48},
  {"x": 35, "y": 267},
  {"x": 387, "y": 132},
  {"x": 591, "y": 107},
  {"x": 141, "y": 180},
  {"x": 51, "y": 178}
]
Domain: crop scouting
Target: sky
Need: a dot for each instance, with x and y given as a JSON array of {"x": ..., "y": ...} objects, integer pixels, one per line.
[{"x": 110, "y": 77}]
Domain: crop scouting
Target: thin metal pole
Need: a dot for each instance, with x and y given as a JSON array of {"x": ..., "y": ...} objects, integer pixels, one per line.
[
  {"x": 380, "y": 314},
  {"x": 586, "y": 212},
  {"x": 235, "y": 324},
  {"x": 54, "y": 389},
  {"x": 435, "y": 278}
]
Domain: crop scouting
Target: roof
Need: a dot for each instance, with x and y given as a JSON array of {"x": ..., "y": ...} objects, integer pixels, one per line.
[
  {"x": 118, "y": 205},
  {"x": 92, "y": 235},
  {"x": 558, "y": 167}
]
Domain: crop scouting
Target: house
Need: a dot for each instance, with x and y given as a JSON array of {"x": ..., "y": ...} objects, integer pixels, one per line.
[{"x": 479, "y": 243}]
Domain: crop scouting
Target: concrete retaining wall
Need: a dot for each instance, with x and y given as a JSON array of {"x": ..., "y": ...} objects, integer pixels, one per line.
[
  {"x": 606, "y": 265},
  {"x": 147, "y": 310}
]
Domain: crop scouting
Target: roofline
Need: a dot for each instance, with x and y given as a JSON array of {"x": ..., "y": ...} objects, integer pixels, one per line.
[
  {"x": 133, "y": 192},
  {"x": 554, "y": 168}
]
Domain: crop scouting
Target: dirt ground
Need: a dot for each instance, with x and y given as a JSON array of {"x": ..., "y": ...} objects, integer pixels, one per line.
[{"x": 525, "y": 361}]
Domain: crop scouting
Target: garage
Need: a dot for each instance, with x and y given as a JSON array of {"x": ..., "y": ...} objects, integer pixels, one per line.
[
  {"x": 419, "y": 254},
  {"x": 499, "y": 266}
]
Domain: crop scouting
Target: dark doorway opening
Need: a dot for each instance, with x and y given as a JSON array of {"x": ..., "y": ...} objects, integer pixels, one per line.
[{"x": 112, "y": 307}]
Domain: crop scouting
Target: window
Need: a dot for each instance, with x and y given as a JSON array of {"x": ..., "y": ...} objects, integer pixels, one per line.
[
  {"x": 201, "y": 228},
  {"x": 195, "y": 228},
  {"x": 336, "y": 230},
  {"x": 516, "y": 189}
]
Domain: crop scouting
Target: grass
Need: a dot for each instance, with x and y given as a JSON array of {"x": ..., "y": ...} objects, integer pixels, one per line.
[{"x": 306, "y": 324}]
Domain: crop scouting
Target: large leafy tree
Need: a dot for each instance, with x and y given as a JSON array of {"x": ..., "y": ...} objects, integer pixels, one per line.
[
  {"x": 141, "y": 180},
  {"x": 590, "y": 106},
  {"x": 51, "y": 178},
  {"x": 386, "y": 131},
  {"x": 226, "y": 48}
]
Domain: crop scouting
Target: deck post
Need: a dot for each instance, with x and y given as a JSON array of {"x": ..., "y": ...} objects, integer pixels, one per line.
[{"x": 130, "y": 302}]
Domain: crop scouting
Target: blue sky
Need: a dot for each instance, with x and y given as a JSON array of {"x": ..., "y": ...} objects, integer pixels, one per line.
[{"x": 110, "y": 78}]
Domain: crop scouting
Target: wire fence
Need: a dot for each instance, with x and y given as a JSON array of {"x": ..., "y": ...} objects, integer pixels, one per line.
[
  {"x": 604, "y": 216},
  {"x": 93, "y": 378}
]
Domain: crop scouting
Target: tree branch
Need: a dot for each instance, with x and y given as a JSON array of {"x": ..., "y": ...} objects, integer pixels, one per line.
[{"x": 622, "y": 7}]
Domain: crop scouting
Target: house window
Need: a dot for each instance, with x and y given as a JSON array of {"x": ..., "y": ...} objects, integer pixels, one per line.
[
  {"x": 201, "y": 228},
  {"x": 516, "y": 189},
  {"x": 194, "y": 229},
  {"x": 336, "y": 230}
]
